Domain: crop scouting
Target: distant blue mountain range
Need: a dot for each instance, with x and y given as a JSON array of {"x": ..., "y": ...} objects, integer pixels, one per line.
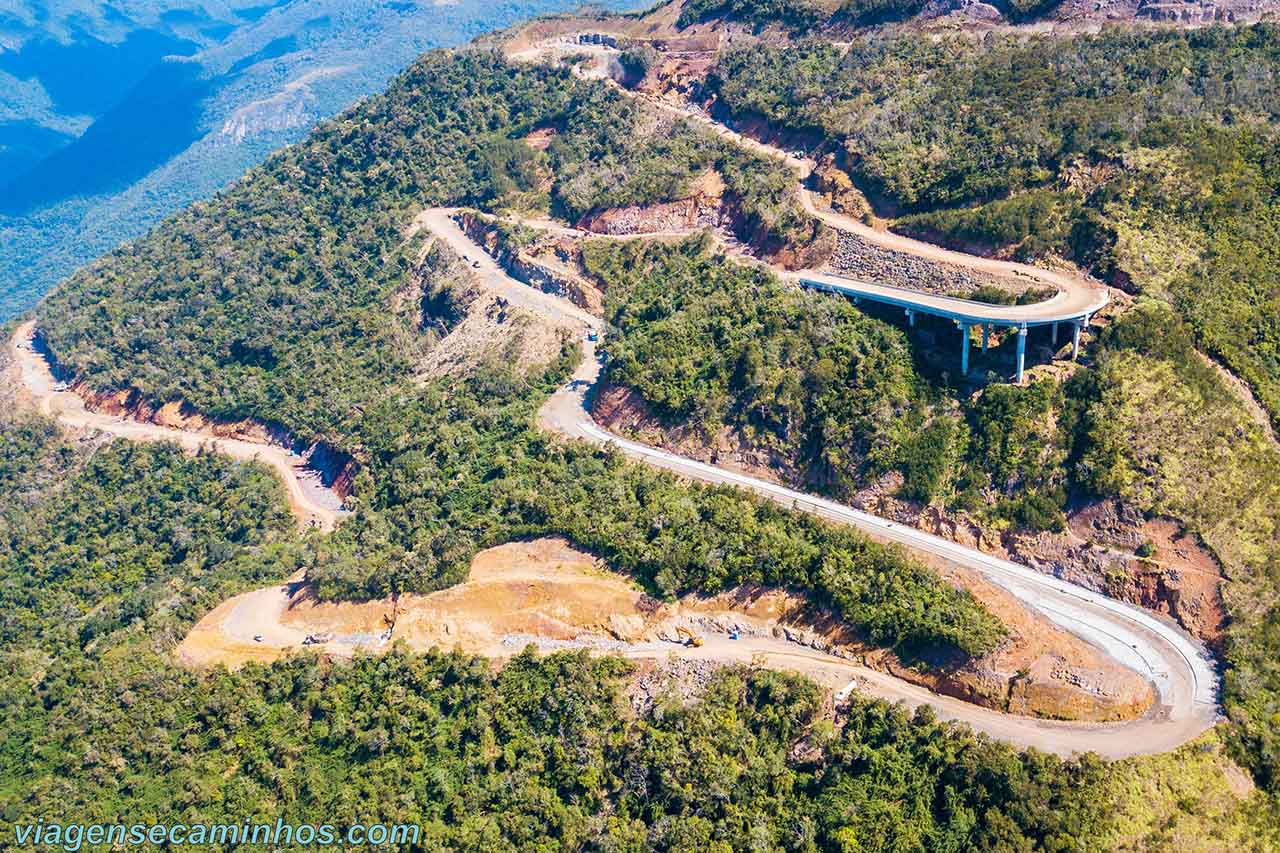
[{"x": 114, "y": 115}]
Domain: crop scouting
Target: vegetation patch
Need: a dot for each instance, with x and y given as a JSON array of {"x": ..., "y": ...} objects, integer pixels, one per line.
[{"x": 812, "y": 379}]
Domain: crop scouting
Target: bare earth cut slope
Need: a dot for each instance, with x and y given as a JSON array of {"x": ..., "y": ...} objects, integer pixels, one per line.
[
  {"x": 549, "y": 594},
  {"x": 1071, "y": 652}
]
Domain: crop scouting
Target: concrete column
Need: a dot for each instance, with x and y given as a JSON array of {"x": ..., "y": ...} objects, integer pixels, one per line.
[
  {"x": 1075, "y": 339},
  {"x": 1022, "y": 351},
  {"x": 964, "y": 349},
  {"x": 1055, "y": 334},
  {"x": 986, "y": 330},
  {"x": 911, "y": 318}
]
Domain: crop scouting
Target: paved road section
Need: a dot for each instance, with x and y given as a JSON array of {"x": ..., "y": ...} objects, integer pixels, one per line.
[
  {"x": 1064, "y": 306},
  {"x": 310, "y": 501},
  {"x": 1078, "y": 296},
  {"x": 1183, "y": 674}
]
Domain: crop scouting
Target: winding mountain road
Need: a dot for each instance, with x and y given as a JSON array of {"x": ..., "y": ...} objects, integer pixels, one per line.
[
  {"x": 1078, "y": 296},
  {"x": 1183, "y": 674},
  {"x": 311, "y": 502}
]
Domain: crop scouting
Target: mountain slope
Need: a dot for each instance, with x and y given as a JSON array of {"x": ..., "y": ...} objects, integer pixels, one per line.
[{"x": 221, "y": 111}]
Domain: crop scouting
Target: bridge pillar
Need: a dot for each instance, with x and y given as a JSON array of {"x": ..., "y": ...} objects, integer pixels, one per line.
[
  {"x": 1055, "y": 334},
  {"x": 1022, "y": 351},
  {"x": 986, "y": 330},
  {"x": 964, "y": 349},
  {"x": 911, "y": 318},
  {"x": 1075, "y": 339}
]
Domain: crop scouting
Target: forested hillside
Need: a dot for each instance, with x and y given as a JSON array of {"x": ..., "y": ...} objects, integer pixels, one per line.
[
  {"x": 101, "y": 726},
  {"x": 1149, "y": 157},
  {"x": 839, "y": 394},
  {"x": 277, "y": 301},
  {"x": 271, "y": 302},
  {"x": 102, "y": 137},
  {"x": 267, "y": 301}
]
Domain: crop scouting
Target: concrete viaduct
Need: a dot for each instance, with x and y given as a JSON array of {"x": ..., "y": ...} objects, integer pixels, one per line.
[{"x": 1073, "y": 305}]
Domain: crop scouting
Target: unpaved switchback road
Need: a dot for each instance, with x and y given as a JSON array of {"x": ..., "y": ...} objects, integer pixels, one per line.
[
  {"x": 313, "y": 504},
  {"x": 440, "y": 223},
  {"x": 1182, "y": 673},
  {"x": 1078, "y": 295}
]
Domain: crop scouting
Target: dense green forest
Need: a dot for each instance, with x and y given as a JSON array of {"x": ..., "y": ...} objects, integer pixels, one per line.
[
  {"x": 1150, "y": 157},
  {"x": 146, "y": 534},
  {"x": 460, "y": 465},
  {"x": 711, "y": 342},
  {"x": 1217, "y": 472},
  {"x": 99, "y": 724},
  {"x": 804, "y": 16},
  {"x": 838, "y": 393},
  {"x": 271, "y": 301},
  {"x": 792, "y": 14},
  {"x": 791, "y": 369}
]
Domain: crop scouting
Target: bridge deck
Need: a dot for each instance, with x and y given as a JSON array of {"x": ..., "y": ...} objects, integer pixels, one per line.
[{"x": 1072, "y": 305}]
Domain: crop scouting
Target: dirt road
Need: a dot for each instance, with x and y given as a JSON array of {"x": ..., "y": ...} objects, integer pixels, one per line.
[
  {"x": 548, "y": 594},
  {"x": 439, "y": 221},
  {"x": 311, "y": 502},
  {"x": 1077, "y": 294}
]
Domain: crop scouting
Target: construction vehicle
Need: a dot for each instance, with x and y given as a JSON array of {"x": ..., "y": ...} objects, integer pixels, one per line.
[
  {"x": 317, "y": 639},
  {"x": 691, "y": 639}
]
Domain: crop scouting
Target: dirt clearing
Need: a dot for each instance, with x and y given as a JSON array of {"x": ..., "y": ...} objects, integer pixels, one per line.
[{"x": 549, "y": 594}]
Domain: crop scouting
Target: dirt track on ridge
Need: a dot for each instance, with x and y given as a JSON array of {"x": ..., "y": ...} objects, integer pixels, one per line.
[{"x": 310, "y": 502}]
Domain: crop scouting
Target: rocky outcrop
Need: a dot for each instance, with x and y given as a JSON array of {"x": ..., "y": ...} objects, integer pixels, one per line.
[
  {"x": 1107, "y": 547},
  {"x": 836, "y": 189},
  {"x": 1062, "y": 678}
]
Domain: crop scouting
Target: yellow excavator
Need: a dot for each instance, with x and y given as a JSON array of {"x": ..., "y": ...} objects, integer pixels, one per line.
[{"x": 690, "y": 639}]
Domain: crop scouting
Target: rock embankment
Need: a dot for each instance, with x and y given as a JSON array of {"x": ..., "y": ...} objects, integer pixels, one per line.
[
  {"x": 689, "y": 215},
  {"x": 1038, "y": 671},
  {"x": 1108, "y": 547},
  {"x": 550, "y": 264},
  {"x": 861, "y": 259},
  {"x": 331, "y": 468}
]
